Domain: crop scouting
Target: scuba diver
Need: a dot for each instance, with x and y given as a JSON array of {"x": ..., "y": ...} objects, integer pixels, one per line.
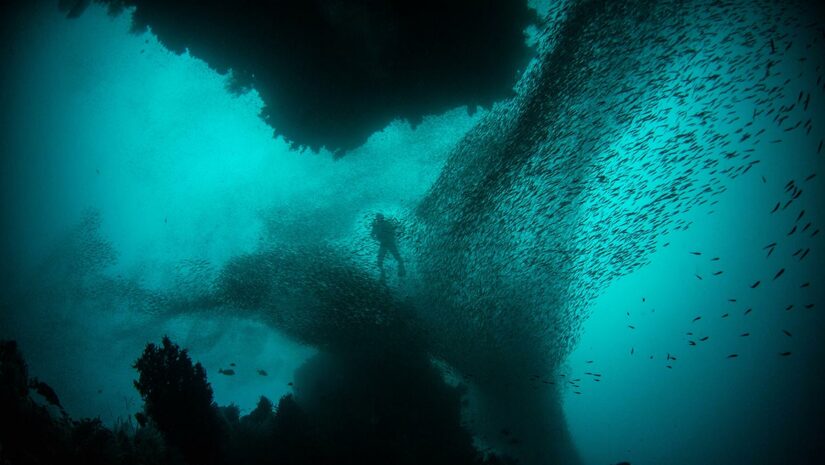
[{"x": 384, "y": 231}]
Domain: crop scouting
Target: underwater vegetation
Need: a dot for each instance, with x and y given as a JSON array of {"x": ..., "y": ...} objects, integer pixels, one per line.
[
  {"x": 407, "y": 416},
  {"x": 34, "y": 428}
]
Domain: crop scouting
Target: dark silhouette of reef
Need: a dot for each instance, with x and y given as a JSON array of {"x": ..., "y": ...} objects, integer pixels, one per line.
[
  {"x": 34, "y": 428},
  {"x": 332, "y": 72},
  {"x": 355, "y": 407}
]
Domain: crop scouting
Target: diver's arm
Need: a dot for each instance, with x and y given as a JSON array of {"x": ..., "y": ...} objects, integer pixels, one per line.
[{"x": 397, "y": 227}]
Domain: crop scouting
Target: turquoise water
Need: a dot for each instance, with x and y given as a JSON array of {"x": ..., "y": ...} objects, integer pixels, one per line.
[{"x": 535, "y": 240}]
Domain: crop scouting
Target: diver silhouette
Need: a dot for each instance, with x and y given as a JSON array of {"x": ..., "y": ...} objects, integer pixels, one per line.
[{"x": 384, "y": 231}]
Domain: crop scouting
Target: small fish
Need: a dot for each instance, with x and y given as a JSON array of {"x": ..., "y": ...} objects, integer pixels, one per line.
[
  {"x": 805, "y": 253},
  {"x": 631, "y": 326},
  {"x": 809, "y": 306},
  {"x": 779, "y": 273},
  {"x": 696, "y": 319},
  {"x": 589, "y": 361},
  {"x": 703, "y": 339},
  {"x": 691, "y": 343},
  {"x": 696, "y": 253},
  {"x": 801, "y": 214},
  {"x": 232, "y": 364},
  {"x": 805, "y": 284},
  {"x": 262, "y": 372},
  {"x": 717, "y": 273},
  {"x": 744, "y": 334},
  {"x": 785, "y": 354},
  {"x": 776, "y": 207},
  {"x": 788, "y": 307},
  {"x": 689, "y": 333},
  {"x": 787, "y": 333},
  {"x": 289, "y": 383},
  {"x": 632, "y": 350},
  {"x": 668, "y": 366},
  {"x": 793, "y": 230},
  {"x": 754, "y": 285},
  {"x": 732, "y": 300},
  {"x": 733, "y": 355},
  {"x": 769, "y": 246},
  {"x": 725, "y": 315},
  {"x": 700, "y": 278},
  {"x": 227, "y": 372},
  {"x": 714, "y": 259},
  {"x": 748, "y": 311}
]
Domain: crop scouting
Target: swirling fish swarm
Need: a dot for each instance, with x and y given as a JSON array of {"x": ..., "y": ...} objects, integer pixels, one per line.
[{"x": 634, "y": 113}]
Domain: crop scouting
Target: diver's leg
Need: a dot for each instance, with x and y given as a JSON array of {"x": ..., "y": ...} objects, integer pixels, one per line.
[
  {"x": 394, "y": 251},
  {"x": 382, "y": 252}
]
